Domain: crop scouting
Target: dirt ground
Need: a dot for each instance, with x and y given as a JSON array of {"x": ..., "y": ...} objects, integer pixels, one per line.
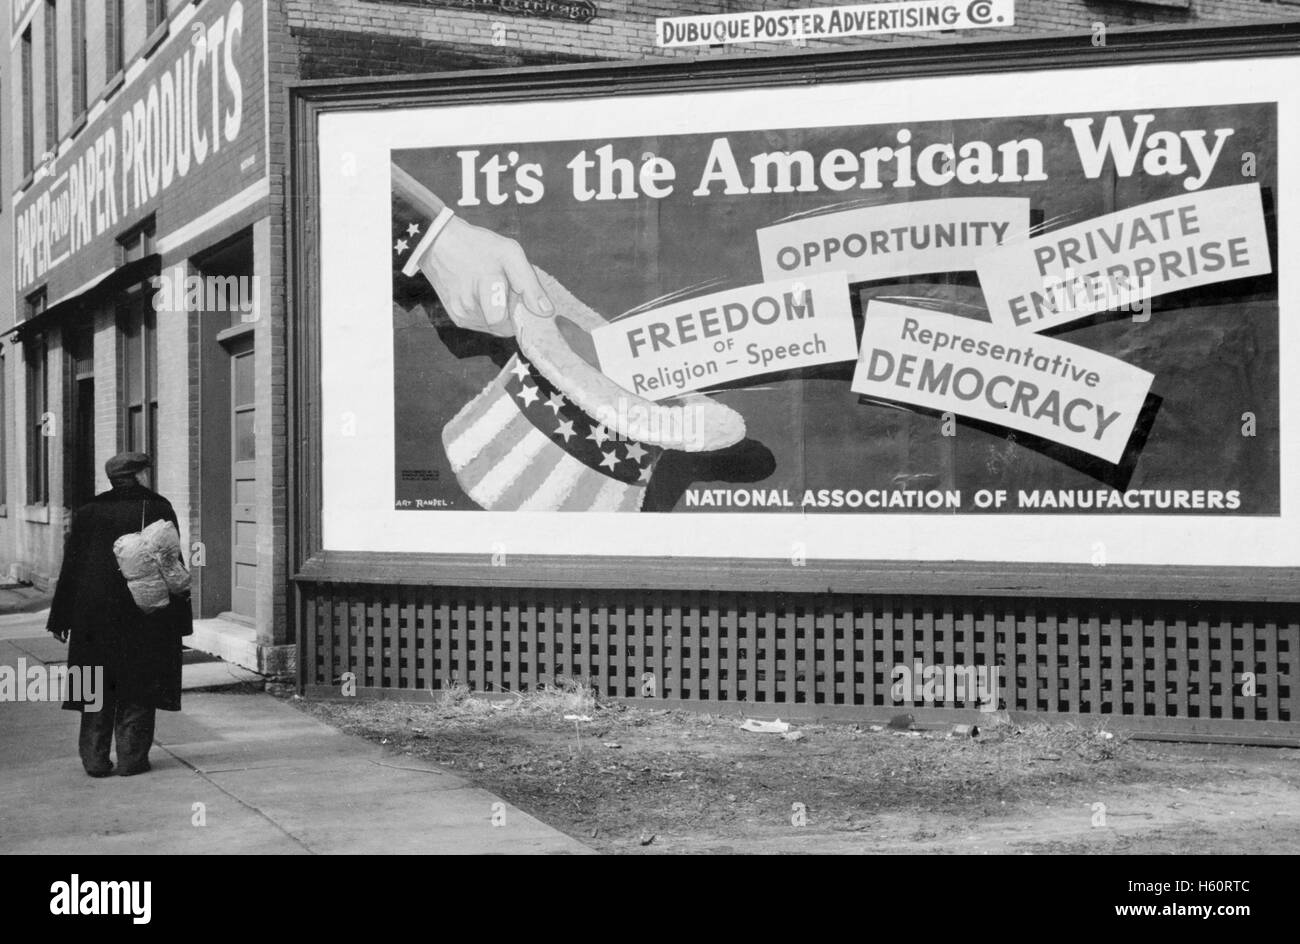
[{"x": 642, "y": 781}]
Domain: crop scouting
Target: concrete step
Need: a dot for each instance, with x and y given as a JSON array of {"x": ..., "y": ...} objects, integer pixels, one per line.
[{"x": 237, "y": 644}]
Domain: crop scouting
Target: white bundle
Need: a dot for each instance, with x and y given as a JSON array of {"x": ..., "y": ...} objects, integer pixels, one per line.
[
  {"x": 150, "y": 560},
  {"x": 166, "y": 544}
]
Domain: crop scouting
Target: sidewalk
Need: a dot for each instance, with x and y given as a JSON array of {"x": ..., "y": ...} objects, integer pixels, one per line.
[
  {"x": 261, "y": 777},
  {"x": 17, "y": 598}
]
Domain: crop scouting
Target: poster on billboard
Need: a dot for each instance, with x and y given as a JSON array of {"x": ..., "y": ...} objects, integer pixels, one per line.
[{"x": 1030, "y": 317}]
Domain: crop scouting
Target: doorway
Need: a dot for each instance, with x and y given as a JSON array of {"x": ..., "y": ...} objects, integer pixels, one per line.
[
  {"x": 226, "y": 474},
  {"x": 243, "y": 477},
  {"x": 79, "y": 440}
]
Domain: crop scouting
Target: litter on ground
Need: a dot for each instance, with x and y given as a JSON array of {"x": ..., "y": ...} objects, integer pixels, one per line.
[{"x": 765, "y": 727}]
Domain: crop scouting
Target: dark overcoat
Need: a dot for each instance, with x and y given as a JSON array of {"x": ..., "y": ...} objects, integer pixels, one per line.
[{"x": 140, "y": 653}]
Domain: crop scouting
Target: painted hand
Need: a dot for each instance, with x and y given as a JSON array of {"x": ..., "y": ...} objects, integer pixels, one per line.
[{"x": 481, "y": 277}]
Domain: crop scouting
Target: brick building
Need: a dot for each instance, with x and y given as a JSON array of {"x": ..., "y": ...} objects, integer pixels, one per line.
[
  {"x": 141, "y": 241},
  {"x": 145, "y": 151}
]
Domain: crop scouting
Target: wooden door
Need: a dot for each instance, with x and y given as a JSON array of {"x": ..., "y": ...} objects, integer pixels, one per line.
[{"x": 243, "y": 479}]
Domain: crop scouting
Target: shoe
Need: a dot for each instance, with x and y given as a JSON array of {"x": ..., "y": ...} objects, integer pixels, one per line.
[
  {"x": 100, "y": 772},
  {"x": 137, "y": 769}
]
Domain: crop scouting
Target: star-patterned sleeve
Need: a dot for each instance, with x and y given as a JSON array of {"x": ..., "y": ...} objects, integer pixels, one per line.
[
  {"x": 415, "y": 207},
  {"x": 409, "y": 226}
]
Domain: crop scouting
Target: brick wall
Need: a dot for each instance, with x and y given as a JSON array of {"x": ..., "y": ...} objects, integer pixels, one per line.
[
  {"x": 172, "y": 474},
  {"x": 272, "y": 456},
  {"x": 225, "y": 171},
  {"x": 37, "y": 545},
  {"x": 40, "y": 530},
  {"x": 338, "y": 53},
  {"x": 96, "y": 70},
  {"x": 270, "y": 256},
  {"x": 106, "y": 407},
  {"x": 96, "y": 54},
  {"x": 192, "y": 520},
  {"x": 12, "y": 356},
  {"x": 625, "y": 29}
]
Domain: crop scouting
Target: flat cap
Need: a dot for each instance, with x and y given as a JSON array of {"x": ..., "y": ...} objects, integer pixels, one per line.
[{"x": 127, "y": 463}]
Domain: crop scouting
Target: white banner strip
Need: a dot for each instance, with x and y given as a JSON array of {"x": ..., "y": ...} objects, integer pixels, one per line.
[
  {"x": 1052, "y": 389},
  {"x": 743, "y": 332},
  {"x": 895, "y": 239},
  {"x": 1120, "y": 259}
]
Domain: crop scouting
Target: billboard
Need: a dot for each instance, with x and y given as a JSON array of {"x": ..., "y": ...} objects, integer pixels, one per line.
[{"x": 1031, "y": 316}]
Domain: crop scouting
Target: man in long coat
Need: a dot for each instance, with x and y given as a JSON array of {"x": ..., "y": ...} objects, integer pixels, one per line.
[{"x": 140, "y": 654}]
